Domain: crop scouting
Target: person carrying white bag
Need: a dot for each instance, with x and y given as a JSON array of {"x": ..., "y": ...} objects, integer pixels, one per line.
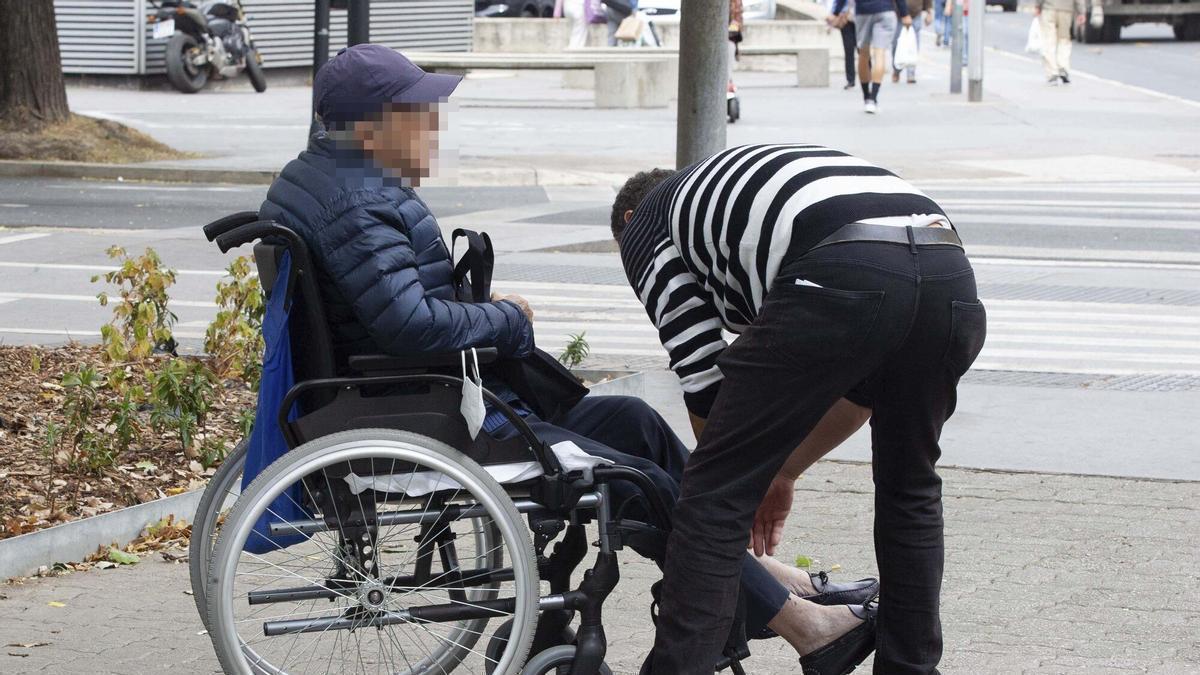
[{"x": 911, "y": 36}]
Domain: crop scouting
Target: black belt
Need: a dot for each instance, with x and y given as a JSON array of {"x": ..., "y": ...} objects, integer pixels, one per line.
[{"x": 909, "y": 236}]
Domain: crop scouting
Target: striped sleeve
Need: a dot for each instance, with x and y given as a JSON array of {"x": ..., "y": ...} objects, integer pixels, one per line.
[{"x": 688, "y": 326}]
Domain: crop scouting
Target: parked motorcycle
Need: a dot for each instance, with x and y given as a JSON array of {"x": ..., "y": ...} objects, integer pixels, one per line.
[{"x": 209, "y": 40}]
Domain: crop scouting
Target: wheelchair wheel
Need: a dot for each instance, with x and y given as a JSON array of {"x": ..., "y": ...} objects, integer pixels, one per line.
[
  {"x": 218, "y": 497},
  {"x": 556, "y": 661},
  {"x": 373, "y": 579}
]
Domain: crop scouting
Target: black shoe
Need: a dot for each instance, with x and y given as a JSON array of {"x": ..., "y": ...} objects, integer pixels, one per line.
[
  {"x": 1063, "y": 76},
  {"x": 848, "y": 87},
  {"x": 845, "y": 653},
  {"x": 829, "y": 593},
  {"x": 849, "y": 593}
]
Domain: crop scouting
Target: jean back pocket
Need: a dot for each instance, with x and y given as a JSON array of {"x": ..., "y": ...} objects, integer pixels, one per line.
[{"x": 968, "y": 330}]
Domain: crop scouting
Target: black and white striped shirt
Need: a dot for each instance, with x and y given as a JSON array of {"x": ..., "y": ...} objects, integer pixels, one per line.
[{"x": 703, "y": 248}]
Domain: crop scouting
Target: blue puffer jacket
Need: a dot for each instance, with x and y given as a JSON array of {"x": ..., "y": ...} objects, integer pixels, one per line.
[{"x": 383, "y": 267}]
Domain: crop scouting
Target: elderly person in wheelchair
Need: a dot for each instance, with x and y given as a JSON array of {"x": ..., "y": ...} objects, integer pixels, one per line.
[{"x": 398, "y": 538}]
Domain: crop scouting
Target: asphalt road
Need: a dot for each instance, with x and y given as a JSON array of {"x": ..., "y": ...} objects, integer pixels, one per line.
[
  {"x": 1147, "y": 56},
  {"x": 1146, "y": 217}
]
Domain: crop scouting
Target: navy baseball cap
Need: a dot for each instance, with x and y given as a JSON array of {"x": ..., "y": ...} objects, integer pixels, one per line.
[{"x": 361, "y": 79}]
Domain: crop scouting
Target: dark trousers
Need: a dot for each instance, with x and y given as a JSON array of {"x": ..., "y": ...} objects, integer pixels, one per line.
[
  {"x": 629, "y": 432},
  {"x": 848, "y": 46},
  {"x": 898, "y": 323}
]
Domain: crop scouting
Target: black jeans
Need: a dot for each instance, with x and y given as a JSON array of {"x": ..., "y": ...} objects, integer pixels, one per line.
[
  {"x": 848, "y": 46},
  {"x": 629, "y": 432},
  {"x": 900, "y": 324}
]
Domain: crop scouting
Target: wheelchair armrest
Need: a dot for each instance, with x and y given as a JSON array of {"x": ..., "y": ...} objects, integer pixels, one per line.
[{"x": 376, "y": 363}]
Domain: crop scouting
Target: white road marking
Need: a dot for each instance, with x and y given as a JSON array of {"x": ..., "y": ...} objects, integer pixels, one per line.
[
  {"x": 65, "y": 297},
  {"x": 13, "y": 206},
  {"x": 87, "y": 332},
  {"x": 98, "y": 268},
  {"x": 12, "y": 239}
]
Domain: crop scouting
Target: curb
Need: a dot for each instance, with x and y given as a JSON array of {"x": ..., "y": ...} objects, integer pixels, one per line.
[
  {"x": 24, "y": 554},
  {"x": 500, "y": 176},
  {"x": 31, "y": 169}
]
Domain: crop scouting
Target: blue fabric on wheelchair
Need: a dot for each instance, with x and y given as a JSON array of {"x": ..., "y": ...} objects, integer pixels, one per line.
[{"x": 266, "y": 439}]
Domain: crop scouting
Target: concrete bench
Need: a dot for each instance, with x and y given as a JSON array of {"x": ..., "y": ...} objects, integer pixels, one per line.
[
  {"x": 621, "y": 81},
  {"x": 811, "y": 63}
]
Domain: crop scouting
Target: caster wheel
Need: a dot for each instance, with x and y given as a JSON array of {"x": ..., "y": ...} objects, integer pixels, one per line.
[{"x": 556, "y": 661}]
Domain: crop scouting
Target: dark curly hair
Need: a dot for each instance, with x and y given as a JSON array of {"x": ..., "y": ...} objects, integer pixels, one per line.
[{"x": 632, "y": 193}]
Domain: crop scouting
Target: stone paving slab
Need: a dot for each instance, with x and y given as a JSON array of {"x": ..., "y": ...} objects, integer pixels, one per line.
[{"x": 1044, "y": 574}]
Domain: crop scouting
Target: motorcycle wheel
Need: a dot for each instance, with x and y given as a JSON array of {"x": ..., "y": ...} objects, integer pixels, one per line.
[
  {"x": 255, "y": 71},
  {"x": 182, "y": 73}
]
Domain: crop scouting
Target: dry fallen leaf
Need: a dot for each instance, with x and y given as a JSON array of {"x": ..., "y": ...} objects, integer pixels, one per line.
[
  {"x": 27, "y": 645},
  {"x": 55, "y": 603}
]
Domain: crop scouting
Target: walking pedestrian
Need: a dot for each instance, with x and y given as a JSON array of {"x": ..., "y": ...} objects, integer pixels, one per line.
[
  {"x": 848, "y": 287},
  {"x": 844, "y": 22},
  {"x": 1056, "y": 17},
  {"x": 941, "y": 27},
  {"x": 876, "y": 24},
  {"x": 918, "y": 10},
  {"x": 573, "y": 10},
  {"x": 965, "y": 27},
  {"x": 616, "y": 11}
]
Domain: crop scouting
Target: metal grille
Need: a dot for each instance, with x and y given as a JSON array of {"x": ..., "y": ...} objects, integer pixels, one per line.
[
  {"x": 102, "y": 36},
  {"x": 97, "y": 37}
]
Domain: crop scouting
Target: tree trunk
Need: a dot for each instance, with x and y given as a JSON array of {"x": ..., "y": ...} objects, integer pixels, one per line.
[{"x": 32, "y": 91}]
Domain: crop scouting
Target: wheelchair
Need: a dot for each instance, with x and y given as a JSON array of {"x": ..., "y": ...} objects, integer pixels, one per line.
[{"x": 384, "y": 539}]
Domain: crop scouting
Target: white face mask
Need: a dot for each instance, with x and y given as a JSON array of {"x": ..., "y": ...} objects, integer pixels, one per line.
[{"x": 472, "y": 397}]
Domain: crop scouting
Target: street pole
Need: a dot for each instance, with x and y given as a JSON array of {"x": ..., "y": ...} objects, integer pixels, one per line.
[
  {"x": 358, "y": 22},
  {"x": 975, "y": 54},
  {"x": 703, "y": 78},
  {"x": 320, "y": 50},
  {"x": 956, "y": 50},
  {"x": 320, "y": 35}
]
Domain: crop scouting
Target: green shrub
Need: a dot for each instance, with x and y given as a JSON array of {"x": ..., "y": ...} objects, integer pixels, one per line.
[
  {"x": 234, "y": 338},
  {"x": 141, "y": 321}
]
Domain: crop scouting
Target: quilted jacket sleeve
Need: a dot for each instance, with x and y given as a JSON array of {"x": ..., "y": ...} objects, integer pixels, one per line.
[{"x": 372, "y": 262}]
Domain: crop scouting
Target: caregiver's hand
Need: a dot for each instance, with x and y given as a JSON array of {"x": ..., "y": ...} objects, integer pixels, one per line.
[{"x": 767, "y": 531}]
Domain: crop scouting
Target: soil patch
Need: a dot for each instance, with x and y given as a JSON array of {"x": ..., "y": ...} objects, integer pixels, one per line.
[
  {"x": 37, "y": 490},
  {"x": 84, "y": 139}
]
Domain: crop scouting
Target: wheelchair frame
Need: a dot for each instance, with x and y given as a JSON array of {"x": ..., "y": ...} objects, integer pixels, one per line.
[{"x": 555, "y": 501}]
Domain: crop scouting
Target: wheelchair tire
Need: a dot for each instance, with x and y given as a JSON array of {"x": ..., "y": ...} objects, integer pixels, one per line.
[
  {"x": 556, "y": 661},
  {"x": 495, "y": 646},
  {"x": 247, "y": 655},
  {"x": 225, "y": 483}
]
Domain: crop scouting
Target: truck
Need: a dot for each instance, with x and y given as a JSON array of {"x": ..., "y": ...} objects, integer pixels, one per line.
[{"x": 1104, "y": 19}]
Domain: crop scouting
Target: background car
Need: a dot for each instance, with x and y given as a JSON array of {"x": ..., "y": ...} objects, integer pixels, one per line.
[
  {"x": 667, "y": 11},
  {"x": 528, "y": 8}
]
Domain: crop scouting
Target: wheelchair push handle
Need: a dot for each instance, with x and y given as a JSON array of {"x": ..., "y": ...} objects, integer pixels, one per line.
[
  {"x": 244, "y": 234},
  {"x": 222, "y": 225}
]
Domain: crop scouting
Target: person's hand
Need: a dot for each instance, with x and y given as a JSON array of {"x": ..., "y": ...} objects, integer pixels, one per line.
[
  {"x": 767, "y": 531},
  {"x": 1080, "y": 20},
  {"x": 907, "y": 20},
  {"x": 517, "y": 300},
  {"x": 928, "y": 18}
]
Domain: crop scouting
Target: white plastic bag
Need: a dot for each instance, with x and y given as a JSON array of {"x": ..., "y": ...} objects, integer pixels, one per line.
[
  {"x": 907, "y": 53},
  {"x": 1033, "y": 44},
  {"x": 472, "y": 407}
]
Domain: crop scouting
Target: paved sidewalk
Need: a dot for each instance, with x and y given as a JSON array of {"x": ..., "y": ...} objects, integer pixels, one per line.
[
  {"x": 522, "y": 128},
  {"x": 1044, "y": 574}
]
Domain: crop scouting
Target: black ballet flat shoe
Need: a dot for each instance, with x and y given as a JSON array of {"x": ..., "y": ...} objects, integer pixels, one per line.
[
  {"x": 848, "y": 593},
  {"x": 845, "y": 653}
]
